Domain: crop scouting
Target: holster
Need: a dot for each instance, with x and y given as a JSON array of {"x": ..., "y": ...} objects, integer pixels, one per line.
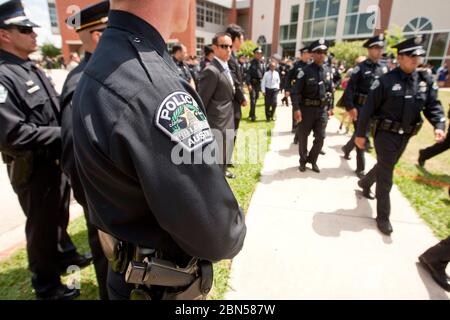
[
  {"x": 20, "y": 166},
  {"x": 119, "y": 253}
]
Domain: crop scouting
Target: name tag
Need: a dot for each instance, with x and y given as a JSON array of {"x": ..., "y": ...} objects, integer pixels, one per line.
[{"x": 33, "y": 89}]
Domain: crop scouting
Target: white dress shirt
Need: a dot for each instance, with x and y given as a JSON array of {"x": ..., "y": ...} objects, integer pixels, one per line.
[
  {"x": 227, "y": 71},
  {"x": 271, "y": 80}
]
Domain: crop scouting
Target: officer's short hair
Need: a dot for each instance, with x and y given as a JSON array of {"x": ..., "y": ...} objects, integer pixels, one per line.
[
  {"x": 208, "y": 50},
  {"x": 215, "y": 40},
  {"x": 234, "y": 31},
  {"x": 177, "y": 47}
]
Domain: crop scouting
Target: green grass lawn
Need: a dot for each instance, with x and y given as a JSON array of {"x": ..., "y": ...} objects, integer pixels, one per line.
[
  {"x": 15, "y": 278},
  {"x": 429, "y": 199}
]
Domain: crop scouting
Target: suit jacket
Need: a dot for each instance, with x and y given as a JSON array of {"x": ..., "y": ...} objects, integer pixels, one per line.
[
  {"x": 237, "y": 72},
  {"x": 217, "y": 95}
]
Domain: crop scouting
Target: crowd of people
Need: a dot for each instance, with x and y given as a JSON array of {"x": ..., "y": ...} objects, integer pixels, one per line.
[{"x": 155, "y": 226}]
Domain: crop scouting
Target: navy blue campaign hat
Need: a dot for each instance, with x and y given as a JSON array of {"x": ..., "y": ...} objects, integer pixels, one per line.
[
  {"x": 412, "y": 46},
  {"x": 375, "y": 41},
  {"x": 320, "y": 44},
  {"x": 89, "y": 16},
  {"x": 12, "y": 14}
]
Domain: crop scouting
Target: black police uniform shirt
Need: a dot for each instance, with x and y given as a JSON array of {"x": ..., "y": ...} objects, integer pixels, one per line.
[
  {"x": 293, "y": 75},
  {"x": 68, "y": 157},
  {"x": 362, "y": 77},
  {"x": 256, "y": 71},
  {"x": 314, "y": 82},
  {"x": 400, "y": 97},
  {"x": 29, "y": 106},
  {"x": 129, "y": 111},
  {"x": 183, "y": 70}
]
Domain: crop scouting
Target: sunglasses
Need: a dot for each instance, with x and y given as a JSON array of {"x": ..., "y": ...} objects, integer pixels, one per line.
[
  {"x": 225, "y": 46},
  {"x": 23, "y": 30}
]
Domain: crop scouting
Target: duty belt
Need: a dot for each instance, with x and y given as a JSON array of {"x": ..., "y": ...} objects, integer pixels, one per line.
[
  {"x": 396, "y": 127},
  {"x": 360, "y": 99},
  {"x": 314, "y": 103}
]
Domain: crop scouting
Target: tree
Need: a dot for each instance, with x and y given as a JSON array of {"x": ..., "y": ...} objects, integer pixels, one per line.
[
  {"x": 49, "y": 50},
  {"x": 348, "y": 51},
  {"x": 394, "y": 36},
  {"x": 247, "y": 48}
]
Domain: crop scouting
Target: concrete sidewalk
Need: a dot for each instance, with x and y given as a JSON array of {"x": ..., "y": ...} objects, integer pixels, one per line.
[{"x": 313, "y": 236}]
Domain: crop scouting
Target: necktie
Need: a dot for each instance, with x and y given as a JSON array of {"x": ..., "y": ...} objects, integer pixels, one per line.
[{"x": 230, "y": 78}]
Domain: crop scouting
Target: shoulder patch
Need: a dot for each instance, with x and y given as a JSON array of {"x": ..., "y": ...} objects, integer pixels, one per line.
[
  {"x": 3, "y": 94},
  {"x": 356, "y": 70},
  {"x": 375, "y": 84},
  {"x": 180, "y": 117},
  {"x": 300, "y": 74}
]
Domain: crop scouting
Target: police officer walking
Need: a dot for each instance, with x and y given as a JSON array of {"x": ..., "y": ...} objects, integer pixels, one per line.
[
  {"x": 138, "y": 128},
  {"x": 254, "y": 77},
  {"x": 91, "y": 23},
  {"x": 355, "y": 95},
  {"x": 314, "y": 88},
  {"x": 291, "y": 79},
  {"x": 30, "y": 142},
  {"x": 396, "y": 100}
]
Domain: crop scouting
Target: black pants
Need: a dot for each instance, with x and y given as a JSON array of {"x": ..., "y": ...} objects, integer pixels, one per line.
[
  {"x": 271, "y": 102},
  {"x": 313, "y": 119},
  {"x": 294, "y": 101},
  {"x": 45, "y": 202},
  {"x": 439, "y": 255},
  {"x": 360, "y": 154},
  {"x": 389, "y": 147},
  {"x": 254, "y": 95},
  {"x": 436, "y": 149}
]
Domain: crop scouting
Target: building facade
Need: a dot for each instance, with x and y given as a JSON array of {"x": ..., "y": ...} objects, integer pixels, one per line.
[
  {"x": 206, "y": 18},
  {"x": 283, "y": 26}
]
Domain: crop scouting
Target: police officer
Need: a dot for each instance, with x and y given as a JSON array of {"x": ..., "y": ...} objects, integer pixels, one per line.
[
  {"x": 297, "y": 69},
  {"x": 89, "y": 23},
  {"x": 254, "y": 76},
  {"x": 355, "y": 95},
  {"x": 314, "y": 88},
  {"x": 142, "y": 143},
  {"x": 395, "y": 101},
  {"x": 435, "y": 261},
  {"x": 30, "y": 142},
  {"x": 179, "y": 54}
]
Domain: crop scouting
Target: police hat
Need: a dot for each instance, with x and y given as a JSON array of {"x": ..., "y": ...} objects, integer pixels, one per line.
[
  {"x": 375, "y": 41},
  {"x": 12, "y": 14},
  {"x": 320, "y": 44},
  {"x": 258, "y": 50},
  {"x": 89, "y": 16},
  {"x": 304, "y": 50},
  {"x": 412, "y": 46}
]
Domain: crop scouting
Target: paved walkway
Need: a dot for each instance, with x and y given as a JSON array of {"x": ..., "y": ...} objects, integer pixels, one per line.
[{"x": 313, "y": 236}]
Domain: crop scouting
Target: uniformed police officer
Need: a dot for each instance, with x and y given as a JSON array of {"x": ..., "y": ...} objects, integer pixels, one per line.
[
  {"x": 297, "y": 69},
  {"x": 254, "y": 76},
  {"x": 395, "y": 101},
  {"x": 355, "y": 95},
  {"x": 30, "y": 142},
  {"x": 138, "y": 130},
  {"x": 435, "y": 261},
  {"x": 89, "y": 23},
  {"x": 314, "y": 88},
  {"x": 179, "y": 53}
]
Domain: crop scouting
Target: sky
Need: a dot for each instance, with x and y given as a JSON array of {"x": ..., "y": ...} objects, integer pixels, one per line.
[{"x": 37, "y": 11}]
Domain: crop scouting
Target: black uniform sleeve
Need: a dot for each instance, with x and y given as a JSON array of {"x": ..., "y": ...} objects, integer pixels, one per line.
[
  {"x": 374, "y": 102},
  {"x": 290, "y": 77},
  {"x": 299, "y": 86},
  {"x": 237, "y": 79},
  {"x": 349, "y": 92},
  {"x": 16, "y": 132},
  {"x": 192, "y": 202},
  {"x": 434, "y": 111},
  {"x": 207, "y": 85}
]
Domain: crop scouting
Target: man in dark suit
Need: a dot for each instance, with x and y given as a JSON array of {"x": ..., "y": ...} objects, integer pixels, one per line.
[
  {"x": 216, "y": 88},
  {"x": 237, "y": 71}
]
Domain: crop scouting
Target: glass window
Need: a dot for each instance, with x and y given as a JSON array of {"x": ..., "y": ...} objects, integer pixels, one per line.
[
  {"x": 318, "y": 28},
  {"x": 284, "y": 31},
  {"x": 331, "y": 27},
  {"x": 350, "y": 25},
  {"x": 352, "y": 6},
  {"x": 53, "y": 16},
  {"x": 366, "y": 23},
  {"x": 306, "y": 34},
  {"x": 438, "y": 45},
  {"x": 294, "y": 13},
  {"x": 309, "y": 6},
  {"x": 200, "y": 46},
  {"x": 293, "y": 31},
  {"x": 320, "y": 10},
  {"x": 333, "y": 9}
]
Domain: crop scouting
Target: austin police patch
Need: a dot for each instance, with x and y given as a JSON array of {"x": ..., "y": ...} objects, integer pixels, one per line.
[
  {"x": 356, "y": 70},
  {"x": 375, "y": 85},
  {"x": 180, "y": 117},
  {"x": 300, "y": 74},
  {"x": 3, "y": 94}
]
